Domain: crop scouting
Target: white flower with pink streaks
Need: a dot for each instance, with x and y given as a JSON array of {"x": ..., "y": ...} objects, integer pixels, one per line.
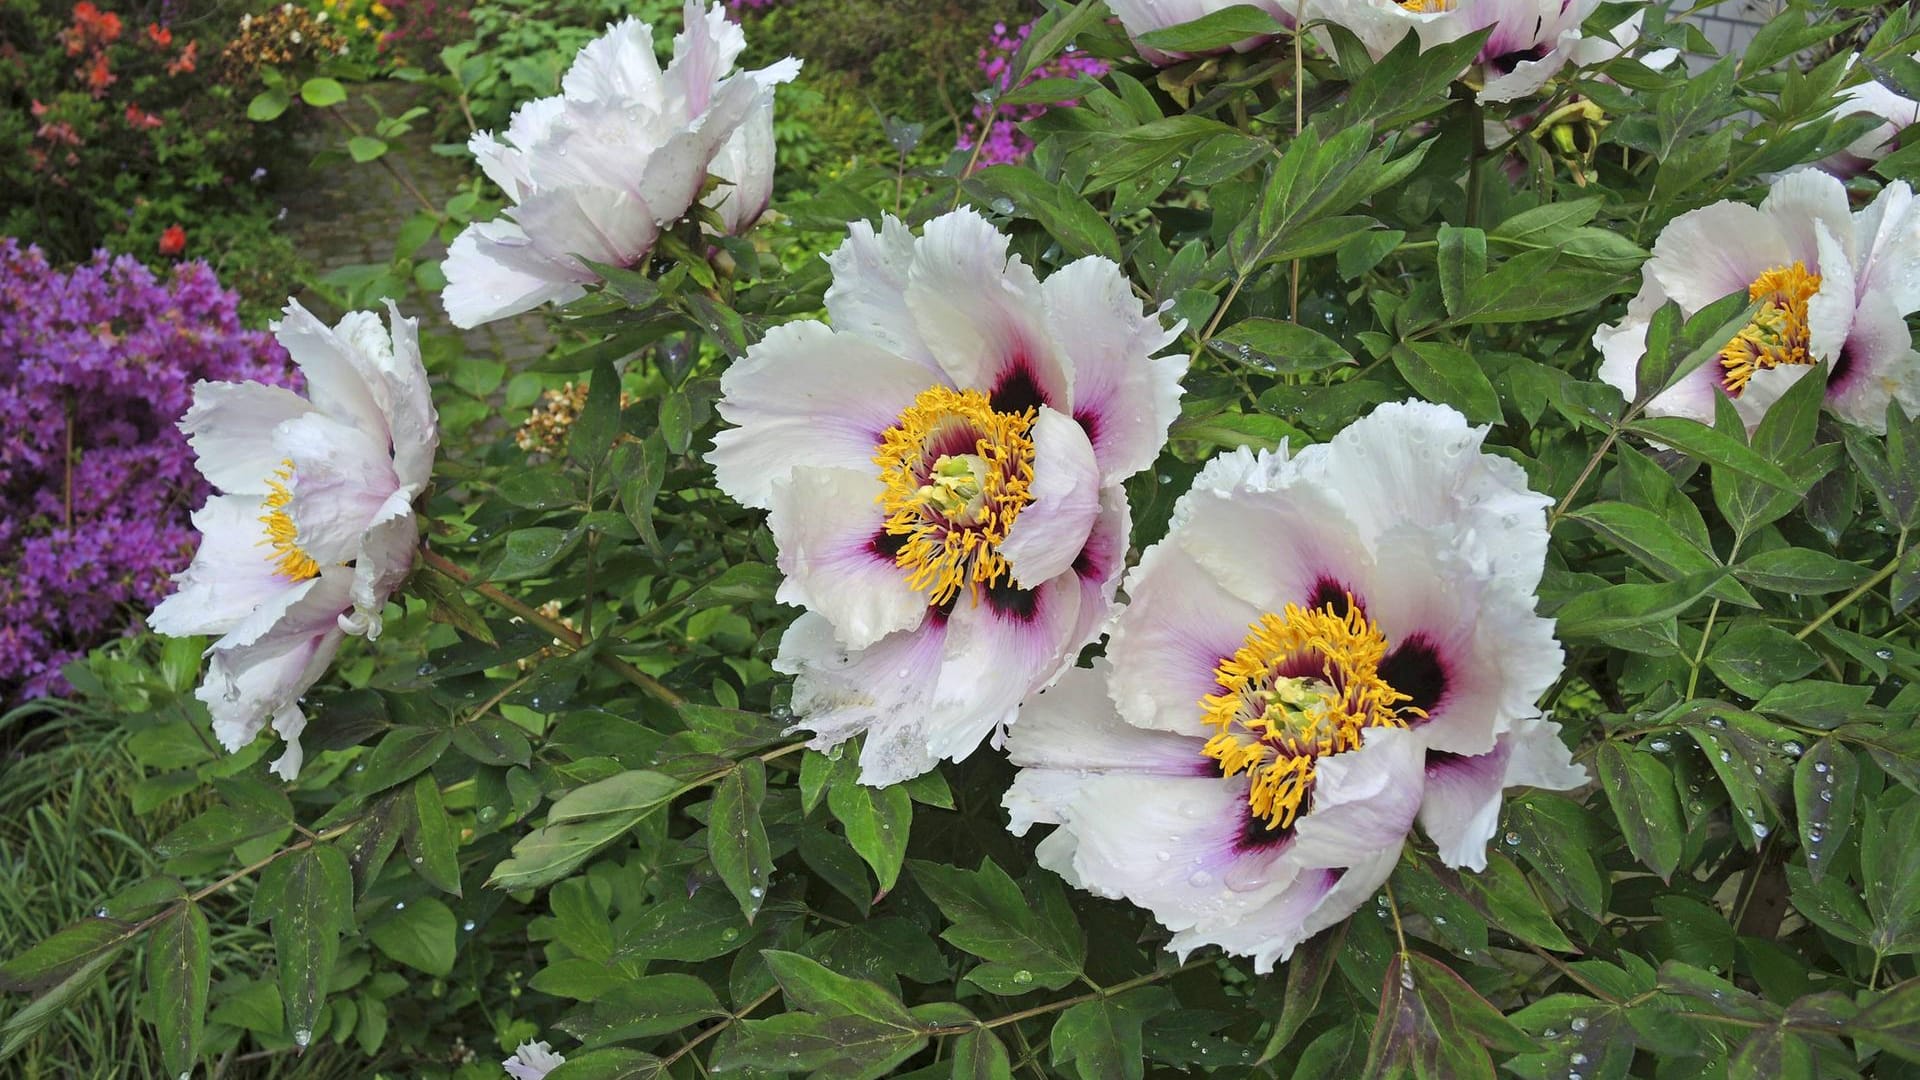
[
  {"x": 1837, "y": 285},
  {"x": 532, "y": 1061},
  {"x": 943, "y": 467},
  {"x": 314, "y": 525},
  {"x": 1323, "y": 650}
]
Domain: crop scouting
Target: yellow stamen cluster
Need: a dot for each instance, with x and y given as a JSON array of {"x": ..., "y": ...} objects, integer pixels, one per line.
[
  {"x": 293, "y": 563},
  {"x": 1778, "y": 335},
  {"x": 1275, "y": 728},
  {"x": 954, "y": 510},
  {"x": 1426, "y": 7}
]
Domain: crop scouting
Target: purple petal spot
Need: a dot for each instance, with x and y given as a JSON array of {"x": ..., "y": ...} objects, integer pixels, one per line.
[
  {"x": 1843, "y": 368},
  {"x": 1089, "y": 422},
  {"x": 887, "y": 545},
  {"x": 938, "y": 614},
  {"x": 1013, "y": 602},
  {"x": 1415, "y": 669},
  {"x": 1327, "y": 590},
  {"x": 1257, "y": 835},
  {"x": 1507, "y": 62},
  {"x": 1016, "y": 391}
]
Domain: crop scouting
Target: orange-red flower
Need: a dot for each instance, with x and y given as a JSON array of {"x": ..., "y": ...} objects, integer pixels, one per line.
[
  {"x": 173, "y": 241},
  {"x": 185, "y": 61},
  {"x": 141, "y": 119},
  {"x": 96, "y": 74},
  {"x": 91, "y": 29},
  {"x": 159, "y": 35}
]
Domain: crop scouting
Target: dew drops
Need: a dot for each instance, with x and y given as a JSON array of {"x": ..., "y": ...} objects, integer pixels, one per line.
[
  {"x": 756, "y": 892},
  {"x": 1826, "y": 796},
  {"x": 1726, "y": 756},
  {"x": 1512, "y": 839},
  {"x": 1820, "y": 766},
  {"x": 1884, "y": 654},
  {"x": 1578, "y": 1059},
  {"x": 467, "y": 926},
  {"x": 1551, "y": 1033},
  {"x": 1716, "y": 722},
  {"x": 1659, "y": 746},
  {"x": 1200, "y": 879},
  {"x": 1023, "y": 976},
  {"x": 729, "y": 934},
  {"x": 1759, "y": 831},
  {"x": 1406, "y": 978},
  {"x": 1792, "y": 749},
  {"x": 399, "y": 905},
  {"x": 1579, "y": 1023},
  {"x": 100, "y": 913},
  {"x": 301, "y": 1037},
  {"x": 1163, "y": 856}
]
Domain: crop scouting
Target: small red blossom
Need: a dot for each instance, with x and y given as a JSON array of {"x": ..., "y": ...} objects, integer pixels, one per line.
[
  {"x": 173, "y": 241},
  {"x": 91, "y": 29},
  {"x": 159, "y": 35},
  {"x": 97, "y": 75},
  {"x": 141, "y": 119},
  {"x": 185, "y": 61}
]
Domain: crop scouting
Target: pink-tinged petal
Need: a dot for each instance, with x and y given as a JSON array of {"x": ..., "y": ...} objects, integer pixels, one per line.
[
  {"x": 1414, "y": 463},
  {"x": 1280, "y": 539},
  {"x": 613, "y": 227},
  {"x": 980, "y": 312},
  {"x": 1798, "y": 206},
  {"x": 745, "y": 163},
  {"x": 340, "y": 381},
  {"x": 1145, "y": 16},
  {"x": 1070, "y": 730},
  {"x": 1179, "y": 623},
  {"x": 494, "y": 271},
  {"x": 1468, "y": 648},
  {"x": 1887, "y": 246},
  {"x": 1460, "y": 809},
  {"x": 868, "y": 296},
  {"x": 617, "y": 67},
  {"x": 828, "y": 525},
  {"x": 384, "y": 561},
  {"x": 1707, "y": 253},
  {"x": 1364, "y": 800},
  {"x": 1527, "y": 77},
  {"x": 807, "y": 395},
  {"x": 230, "y": 426},
  {"x": 1170, "y": 844},
  {"x": 412, "y": 421},
  {"x": 1379, "y": 24},
  {"x": 1314, "y": 900},
  {"x": 1099, "y": 564},
  {"x": 232, "y": 581},
  {"x": 248, "y": 685},
  {"x": 532, "y": 1061},
  {"x": 1122, "y": 394},
  {"x": 885, "y": 690},
  {"x": 703, "y": 52},
  {"x": 1877, "y": 364},
  {"x": 674, "y": 172},
  {"x": 341, "y": 478},
  {"x": 1052, "y": 529},
  {"x": 1764, "y": 387}
]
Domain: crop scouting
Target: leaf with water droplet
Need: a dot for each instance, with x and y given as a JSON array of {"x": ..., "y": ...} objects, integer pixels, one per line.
[
  {"x": 1646, "y": 804},
  {"x": 736, "y": 837}
]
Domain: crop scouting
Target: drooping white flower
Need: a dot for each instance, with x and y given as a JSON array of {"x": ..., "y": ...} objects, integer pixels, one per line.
[
  {"x": 1531, "y": 40},
  {"x": 533, "y": 1061},
  {"x": 1838, "y": 286},
  {"x": 313, "y": 526},
  {"x": 1871, "y": 98},
  {"x": 1145, "y": 16},
  {"x": 943, "y": 469},
  {"x": 622, "y": 153},
  {"x": 1324, "y": 649}
]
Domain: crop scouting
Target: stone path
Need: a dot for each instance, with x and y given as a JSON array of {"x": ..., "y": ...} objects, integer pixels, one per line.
[{"x": 352, "y": 214}]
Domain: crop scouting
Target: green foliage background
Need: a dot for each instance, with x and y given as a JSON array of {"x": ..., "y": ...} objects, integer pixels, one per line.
[{"x": 598, "y": 831}]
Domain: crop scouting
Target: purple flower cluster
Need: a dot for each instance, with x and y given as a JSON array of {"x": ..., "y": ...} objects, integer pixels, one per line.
[
  {"x": 96, "y": 484},
  {"x": 1005, "y": 143}
]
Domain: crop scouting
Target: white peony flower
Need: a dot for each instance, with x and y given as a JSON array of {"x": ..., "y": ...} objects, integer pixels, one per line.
[
  {"x": 313, "y": 527},
  {"x": 943, "y": 470},
  {"x": 1323, "y": 648},
  {"x": 621, "y": 154},
  {"x": 1838, "y": 285},
  {"x": 1871, "y": 98},
  {"x": 1145, "y": 16},
  {"x": 1532, "y": 40},
  {"x": 533, "y": 1061}
]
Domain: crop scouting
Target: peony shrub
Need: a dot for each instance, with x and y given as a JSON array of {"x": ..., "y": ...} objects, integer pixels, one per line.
[{"x": 1381, "y": 547}]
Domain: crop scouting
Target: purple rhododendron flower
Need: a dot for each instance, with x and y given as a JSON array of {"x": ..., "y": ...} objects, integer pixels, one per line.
[
  {"x": 96, "y": 483},
  {"x": 1005, "y": 143}
]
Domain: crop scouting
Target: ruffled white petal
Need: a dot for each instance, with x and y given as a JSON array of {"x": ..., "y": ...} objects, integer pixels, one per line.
[
  {"x": 825, "y": 521},
  {"x": 1052, "y": 529},
  {"x": 980, "y": 310},
  {"x": 233, "y": 581},
  {"x": 1460, "y": 809},
  {"x": 1314, "y": 901},
  {"x": 532, "y": 1061},
  {"x": 1877, "y": 365},
  {"x": 341, "y": 381},
  {"x": 1707, "y": 253},
  {"x": 341, "y": 479},
  {"x": 1123, "y": 394},
  {"x": 1364, "y": 800},
  {"x": 384, "y": 560},
  {"x": 230, "y": 427},
  {"x": 807, "y": 395},
  {"x": 249, "y": 685},
  {"x": 494, "y": 271},
  {"x": 1179, "y": 623},
  {"x": 868, "y": 296}
]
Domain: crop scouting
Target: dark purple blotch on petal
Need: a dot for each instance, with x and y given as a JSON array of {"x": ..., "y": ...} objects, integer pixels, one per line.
[
  {"x": 1013, "y": 602},
  {"x": 1017, "y": 391},
  {"x": 1415, "y": 669}
]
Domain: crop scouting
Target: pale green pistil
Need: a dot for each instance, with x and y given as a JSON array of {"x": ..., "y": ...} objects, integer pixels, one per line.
[{"x": 957, "y": 488}]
